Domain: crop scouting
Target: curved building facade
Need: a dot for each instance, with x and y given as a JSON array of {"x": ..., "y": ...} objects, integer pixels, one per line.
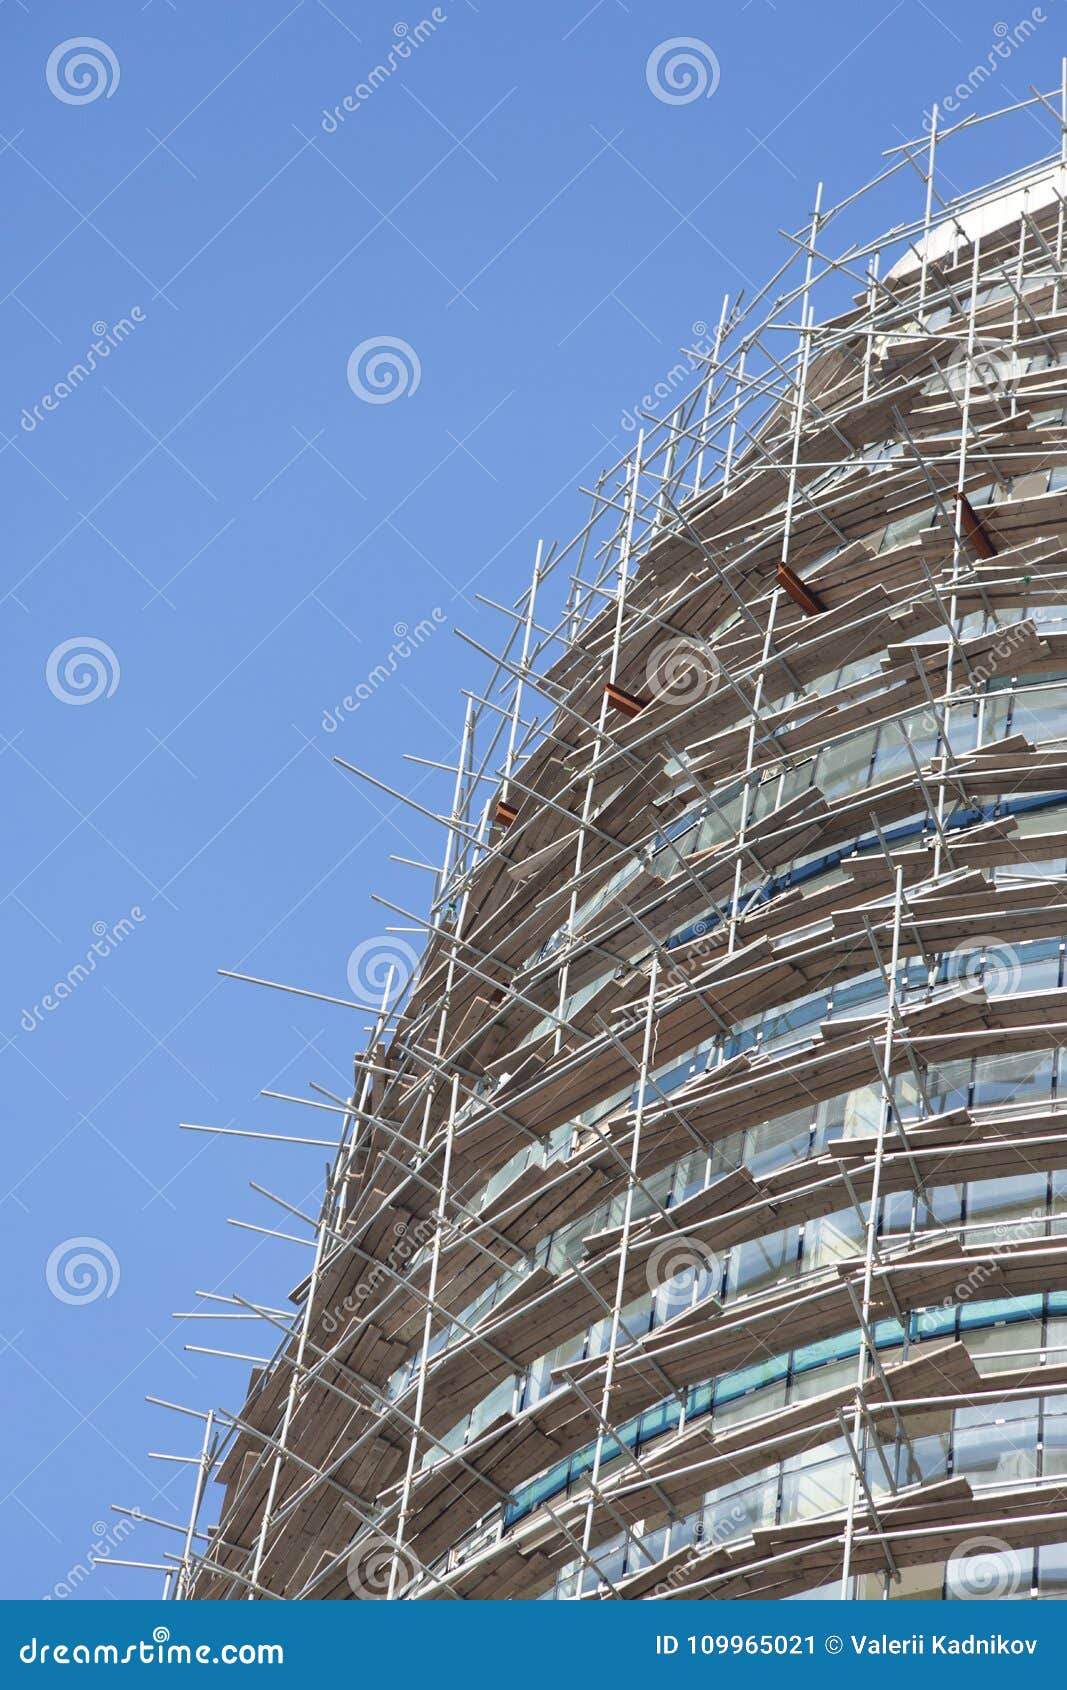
[{"x": 698, "y": 1228}]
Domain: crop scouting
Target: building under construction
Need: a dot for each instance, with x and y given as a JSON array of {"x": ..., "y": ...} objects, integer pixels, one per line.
[{"x": 697, "y": 1224}]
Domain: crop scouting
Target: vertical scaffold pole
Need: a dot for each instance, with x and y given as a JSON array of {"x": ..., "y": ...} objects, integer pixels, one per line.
[
  {"x": 1061, "y": 187},
  {"x": 184, "y": 1575},
  {"x": 709, "y": 384},
  {"x": 457, "y": 917},
  {"x": 804, "y": 359},
  {"x": 859, "y": 1434},
  {"x": 441, "y": 1221},
  {"x": 604, "y": 1420},
  {"x": 674, "y": 426},
  {"x": 523, "y": 665},
  {"x": 957, "y": 551},
  {"x": 872, "y": 298},
  {"x": 735, "y": 412},
  {"x": 931, "y": 159},
  {"x": 625, "y": 549}
]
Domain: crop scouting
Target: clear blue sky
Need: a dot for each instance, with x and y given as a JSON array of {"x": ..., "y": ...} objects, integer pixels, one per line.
[{"x": 216, "y": 505}]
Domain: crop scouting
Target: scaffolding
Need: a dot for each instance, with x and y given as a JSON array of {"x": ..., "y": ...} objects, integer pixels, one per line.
[{"x": 672, "y": 864}]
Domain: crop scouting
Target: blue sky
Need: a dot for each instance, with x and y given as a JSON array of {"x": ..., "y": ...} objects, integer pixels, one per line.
[{"x": 239, "y": 534}]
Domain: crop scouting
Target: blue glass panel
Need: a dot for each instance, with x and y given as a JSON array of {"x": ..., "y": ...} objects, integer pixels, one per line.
[
  {"x": 698, "y": 1401},
  {"x": 734, "y": 1385},
  {"x": 999, "y": 1310},
  {"x": 932, "y": 1323},
  {"x": 824, "y": 1350}
]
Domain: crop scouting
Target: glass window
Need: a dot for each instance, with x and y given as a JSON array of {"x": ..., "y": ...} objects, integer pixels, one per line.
[
  {"x": 1054, "y": 1437},
  {"x": 917, "y": 1460},
  {"x": 832, "y": 1238},
  {"x": 1041, "y": 714},
  {"x": 1015, "y": 1206},
  {"x": 816, "y": 1482},
  {"x": 736, "y": 1510},
  {"x": 497, "y": 1403},
  {"x": 997, "y": 1349},
  {"x": 989, "y": 1575},
  {"x": 996, "y": 708},
  {"x": 996, "y": 1443},
  {"x": 1023, "y": 1076},
  {"x": 845, "y": 768},
  {"x": 761, "y": 1262},
  {"x": 943, "y": 1208},
  {"x": 948, "y": 1085},
  {"x": 688, "y": 1176},
  {"x": 817, "y": 1380},
  {"x": 775, "y": 1143},
  {"x": 1052, "y": 1570}
]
